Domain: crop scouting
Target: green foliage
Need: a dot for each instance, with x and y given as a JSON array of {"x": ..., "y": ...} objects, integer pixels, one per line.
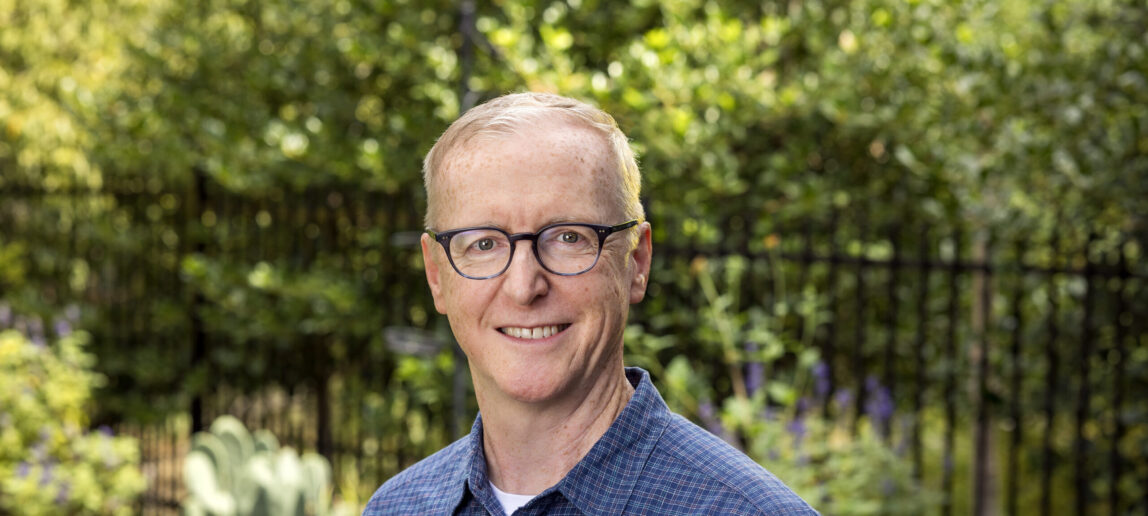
[
  {"x": 229, "y": 471},
  {"x": 771, "y": 413},
  {"x": 842, "y": 472},
  {"x": 969, "y": 112},
  {"x": 835, "y": 468},
  {"x": 49, "y": 462}
]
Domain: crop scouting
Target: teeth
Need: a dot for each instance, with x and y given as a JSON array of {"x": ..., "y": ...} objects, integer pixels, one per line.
[{"x": 540, "y": 332}]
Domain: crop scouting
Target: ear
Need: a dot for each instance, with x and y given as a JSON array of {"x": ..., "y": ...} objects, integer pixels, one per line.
[
  {"x": 641, "y": 256},
  {"x": 433, "y": 269}
]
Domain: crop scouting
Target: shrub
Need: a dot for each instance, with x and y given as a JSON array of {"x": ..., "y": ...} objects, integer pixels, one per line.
[
  {"x": 838, "y": 467},
  {"x": 49, "y": 462}
]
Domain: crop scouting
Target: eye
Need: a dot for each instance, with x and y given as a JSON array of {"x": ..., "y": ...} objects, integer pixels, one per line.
[
  {"x": 484, "y": 244},
  {"x": 569, "y": 237}
]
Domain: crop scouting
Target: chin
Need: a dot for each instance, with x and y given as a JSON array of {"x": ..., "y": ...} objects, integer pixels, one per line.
[{"x": 531, "y": 384}]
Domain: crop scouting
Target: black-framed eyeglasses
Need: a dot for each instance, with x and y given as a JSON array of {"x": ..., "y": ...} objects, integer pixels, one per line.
[{"x": 565, "y": 249}]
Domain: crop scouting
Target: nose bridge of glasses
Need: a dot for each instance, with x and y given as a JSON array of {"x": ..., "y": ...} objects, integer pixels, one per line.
[{"x": 533, "y": 238}]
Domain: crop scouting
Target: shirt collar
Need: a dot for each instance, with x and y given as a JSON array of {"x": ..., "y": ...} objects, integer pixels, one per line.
[
  {"x": 604, "y": 479},
  {"x": 458, "y": 468},
  {"x": 473, "y": 476}
]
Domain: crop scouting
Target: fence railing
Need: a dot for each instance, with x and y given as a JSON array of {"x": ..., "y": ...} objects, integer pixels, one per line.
[
  {"x": 1017, "y": 367},
  {"x": 1031, "y": 361}
]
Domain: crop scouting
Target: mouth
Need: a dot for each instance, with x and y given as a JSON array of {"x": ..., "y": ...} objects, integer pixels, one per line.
[{"x": 539, "y": 332}]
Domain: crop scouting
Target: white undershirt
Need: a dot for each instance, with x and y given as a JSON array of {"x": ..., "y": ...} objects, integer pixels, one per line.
[{"x": 510, "y": 502}]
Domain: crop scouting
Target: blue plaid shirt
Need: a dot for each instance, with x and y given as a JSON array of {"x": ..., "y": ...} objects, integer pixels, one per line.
[{"x": 650, "y": 461}]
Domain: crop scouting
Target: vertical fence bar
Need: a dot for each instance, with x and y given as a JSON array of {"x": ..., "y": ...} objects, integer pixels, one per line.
[
  {"x": 385, "y": 218},
  {"x": 982, "y": 471},
  {"x": 1138, "y": 331},
  {"x": 919, "y": 348},
  {"x": 891, "y": 325},
  {"x": 950, "y": 378},
  {"x": 169, "y": 490},
  {"x": 1051, "y": 381},
  {"x": 829, "y": 346},
  {"x": 1083, "y": 474},
  {"x": 198, "y": 302},
  {"x": 804, "y": 273},
  {"x": 1011, "y": 482},
  {"x": 857, "y": 357},
  {"x": 324, "y": 429},
  {"x": 170, "y": 280},
  {"x": 467, "y": 99},
  {"x": 1116, "y": 460}
]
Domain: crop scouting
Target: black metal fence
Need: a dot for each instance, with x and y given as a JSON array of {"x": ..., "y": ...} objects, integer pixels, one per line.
[
  {"x": 1030, "y": 350},
  {"x": 1018, "y": 367}
]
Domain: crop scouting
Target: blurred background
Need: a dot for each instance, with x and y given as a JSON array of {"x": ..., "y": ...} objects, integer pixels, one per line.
[{"x": 899, "y": 245}]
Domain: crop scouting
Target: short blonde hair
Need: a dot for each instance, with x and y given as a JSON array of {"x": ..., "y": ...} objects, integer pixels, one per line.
[{"x": 505, "y": 115}]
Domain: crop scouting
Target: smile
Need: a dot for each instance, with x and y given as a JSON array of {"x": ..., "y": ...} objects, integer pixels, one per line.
[{"x": 540, "y": 332}]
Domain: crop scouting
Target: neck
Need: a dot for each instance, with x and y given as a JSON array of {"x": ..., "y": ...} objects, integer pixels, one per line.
[{"x": 530, "y": 447}]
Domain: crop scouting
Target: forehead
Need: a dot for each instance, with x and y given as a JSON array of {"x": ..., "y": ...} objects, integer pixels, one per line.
[{"x": 549, "y": 171}]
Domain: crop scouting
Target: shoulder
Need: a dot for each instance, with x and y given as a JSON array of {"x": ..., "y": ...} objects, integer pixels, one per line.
[
  {"x": 691, "y": 467},
  {"x": 425, "y": 485}
]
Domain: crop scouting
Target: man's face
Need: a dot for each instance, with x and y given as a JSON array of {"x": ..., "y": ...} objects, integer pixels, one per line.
[{"x": 554, "y": 172}]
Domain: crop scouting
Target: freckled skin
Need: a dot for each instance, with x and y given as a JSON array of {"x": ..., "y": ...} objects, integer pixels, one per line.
[{"x": 549, "y": 173}]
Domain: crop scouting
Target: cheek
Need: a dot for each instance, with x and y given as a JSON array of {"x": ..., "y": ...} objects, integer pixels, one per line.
[
  {"x": 460, "y": 298},
  {"x": 611, "y": 288},
  {"x": 615, "y": 272}
]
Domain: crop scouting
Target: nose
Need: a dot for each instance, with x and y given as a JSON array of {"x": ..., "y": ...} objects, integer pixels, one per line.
[{"x": 525, "y": 280}]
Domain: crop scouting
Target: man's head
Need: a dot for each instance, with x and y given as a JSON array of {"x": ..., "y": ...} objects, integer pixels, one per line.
[
  {"x": 516, "y": 165},
  {"x": 521, "y": 112}
]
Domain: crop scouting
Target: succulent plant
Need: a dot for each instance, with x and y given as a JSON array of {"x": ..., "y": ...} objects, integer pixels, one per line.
[{"x": 230, "y": 471}]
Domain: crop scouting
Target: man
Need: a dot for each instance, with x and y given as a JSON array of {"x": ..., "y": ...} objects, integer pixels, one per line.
[{"x": 536, "y": 247}]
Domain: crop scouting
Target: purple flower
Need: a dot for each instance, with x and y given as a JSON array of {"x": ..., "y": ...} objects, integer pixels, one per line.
[
  {"x": 106, "y": 430},
  {"x": 63, "y": 329},
  {"x": 23, "y": 469},
  {"x": 879, "y": 405},
  {"x": 709, "y": 417},
  {"x": 707, "y": 413},
  {"x": 798, "y": 429},
  {"x": 754, "y": 377},
  {"x": 754, "y": 370},
  {"x": 803, "y": 405},
  {"x": 46, "y": 475},
  {"x": 706, "y": 410},
  {"x": 5, "y": 315},
  {"x": 843, "y": 397},
  {"x": 821, "y": 383}
]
